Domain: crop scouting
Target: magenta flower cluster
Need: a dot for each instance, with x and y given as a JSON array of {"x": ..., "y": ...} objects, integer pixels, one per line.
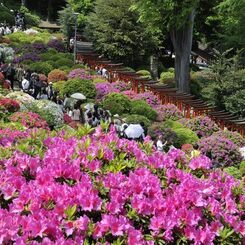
[
  {"x": 168, "y": 111},
  {"x": 103, "y": 89},
  {"x": 221, "y": 151},
  {"x": 149, "y": 97},
  {"x": 9, "y": 136},
  {"x": 68, "y": 195},
  {"x": 80, "y": 73},
  {"x": 203, "y": 126}
]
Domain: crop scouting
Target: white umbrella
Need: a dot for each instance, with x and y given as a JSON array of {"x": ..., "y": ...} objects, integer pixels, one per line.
[
  {"x": 78, "y": 96},
  {"x": 134, "y": 131}
]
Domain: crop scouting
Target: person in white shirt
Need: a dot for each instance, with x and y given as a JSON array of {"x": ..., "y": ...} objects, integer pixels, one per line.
[
  {"x": 76, "y": 113},
  {"x": 25, "y": 84},
  {"x": 160, "y": 145},
  {"x": 104, "y": 72}
]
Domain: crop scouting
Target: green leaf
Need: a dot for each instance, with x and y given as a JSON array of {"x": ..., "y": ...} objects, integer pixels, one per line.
[{"x": 70, "y": 211}]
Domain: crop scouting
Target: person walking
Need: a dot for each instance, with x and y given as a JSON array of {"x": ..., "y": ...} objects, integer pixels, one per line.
[{"x": 50, "y": 90}]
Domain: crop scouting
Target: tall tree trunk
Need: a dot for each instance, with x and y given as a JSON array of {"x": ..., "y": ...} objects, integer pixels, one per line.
[
  {"x": 182, "y": 41},
  {"x": 50, "y": 10},
  {"x": 154, "y": 66}
]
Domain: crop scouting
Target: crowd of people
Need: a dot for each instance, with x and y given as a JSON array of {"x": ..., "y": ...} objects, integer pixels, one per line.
[{"x": 20, "y": 25}]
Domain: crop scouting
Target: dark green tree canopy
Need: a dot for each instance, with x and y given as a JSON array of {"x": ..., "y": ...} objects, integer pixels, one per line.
[{"x": 116, "y": 31}]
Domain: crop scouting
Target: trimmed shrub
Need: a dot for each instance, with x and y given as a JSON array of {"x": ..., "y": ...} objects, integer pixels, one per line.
[
  {"x": 59, "y": 86},
  {"x": 57, "y": 75},
  {"x": 41, "y": 67},
  {"x": 183, "y": 134},
  {"x": 117, "y": 103},
  {"x": 47, "y": 55},
  {"x": 203, "y": 126},
  {"x": 167, "y": 77},
  {"x": 63, "y": 62},
  {"x": 135, "y": 119},
  {"x": 172, "y": 124},
  {"x": 85, "y": 87},
  {"x": 144, "y": 74},
  {"x": 140, "y": 107},
  {"x": 221, "y": 151}
]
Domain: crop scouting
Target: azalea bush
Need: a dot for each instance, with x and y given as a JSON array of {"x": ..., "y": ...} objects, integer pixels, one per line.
[
  {"x": 49, "y": 111},
  {"x": 29, "y": 120},
  {"x": 223, "y": 152},
  {"x": 148, "y": 97},
  {"x": 103, "y": 89},
  {"x": 39, "y": 47},
  {"x": 136, "y": 119},
  {"x": 168, "y": 136},
  {"x": 23, "y": 98},
  {"x": 78, "y": 85},
  {"x": 121, "y": 85},
  {"x": 141, "y": 107},
  {"x": 57, "y": 44},
  {"x": 80, "y": 73},
  {"x": 202, "y": 125},
  {"x": 57, "y": 75},
  {"x": 144, "y": 74},
  {"x": 41, "y": 67},
  {"x": 27, "y": 58},
  {"x": 116, "y": 103},
  {"x": 9, "y": 105},
  {"x": 235, "y": 137},
  {"x": 183, "y": 134},
  {"x": 168, "y": 111},
  {"x": 97, "y": 188}
]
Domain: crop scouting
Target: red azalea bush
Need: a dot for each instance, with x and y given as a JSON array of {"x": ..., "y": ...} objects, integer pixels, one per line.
[
  {"x": 9, "y": 105},
  {"x": 67, "y": 118},
  {"x": 29, "y": 120},
  {"x": 57, "y": 75},
  {"x": 101, "y": 189}
]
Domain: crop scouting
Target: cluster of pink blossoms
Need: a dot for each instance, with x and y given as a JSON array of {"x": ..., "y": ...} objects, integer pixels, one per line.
[{"x": 75, "y": 191}]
